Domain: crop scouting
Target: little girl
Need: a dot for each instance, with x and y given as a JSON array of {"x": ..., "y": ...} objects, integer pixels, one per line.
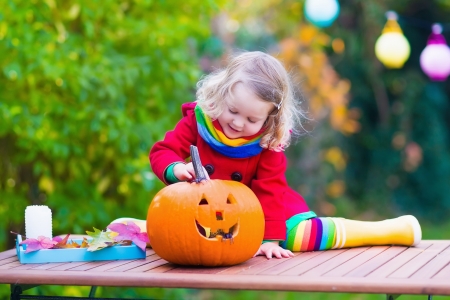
[{"x": 242, "y": 121}]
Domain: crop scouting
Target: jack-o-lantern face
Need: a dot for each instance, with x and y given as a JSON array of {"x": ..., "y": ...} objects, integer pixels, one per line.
[
  {"x": 187, "y": 223},
  {"x": 217, "y": 218},
  {"x": 214, "y": 223}
]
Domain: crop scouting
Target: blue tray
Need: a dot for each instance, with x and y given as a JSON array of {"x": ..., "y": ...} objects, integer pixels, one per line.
[{"x": 76, "y": 254}]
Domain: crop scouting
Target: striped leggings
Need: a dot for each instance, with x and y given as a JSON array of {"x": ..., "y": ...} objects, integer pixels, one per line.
[
  {"x": 307, "y": 232},
  {"x": 311, "y": 235}
]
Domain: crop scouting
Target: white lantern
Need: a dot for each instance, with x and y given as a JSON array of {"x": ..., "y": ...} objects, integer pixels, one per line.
[
  {"x": 435, "y": 58},
  {"x": 321, "y": 13}
]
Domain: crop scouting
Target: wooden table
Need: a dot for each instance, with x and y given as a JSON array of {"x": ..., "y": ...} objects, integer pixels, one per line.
[{"x": 390, "y": 270}]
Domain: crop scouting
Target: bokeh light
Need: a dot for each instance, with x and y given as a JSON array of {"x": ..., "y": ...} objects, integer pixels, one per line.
[
  {"x": 392, "y": 48},
  {"x": 321, "y": 13},
  {"x": 435, "y": 58}
]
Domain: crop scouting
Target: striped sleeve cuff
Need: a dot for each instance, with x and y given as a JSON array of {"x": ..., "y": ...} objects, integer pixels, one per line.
[{"x": 169, "y": 175}]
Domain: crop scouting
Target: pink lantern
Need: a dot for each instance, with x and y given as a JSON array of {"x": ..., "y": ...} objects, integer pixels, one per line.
[{"x": 435, "y": 58}]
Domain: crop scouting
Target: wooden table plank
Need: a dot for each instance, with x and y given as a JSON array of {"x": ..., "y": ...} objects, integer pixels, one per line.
[
  {"x": 351, "y": 269},
  {"x": 419, "y": 261},
  {"x": 244, "y": 266},
  {"x": 149, "y": 252},
  {"x": 355, "y": 262},
  {"x": 8, "y": 260},
  {"x": 236, "y": 282},
  {"x": 334, "y": 262},
  {"x": 195, "y": 270},
  {"x": 264, "y": 265},
  {"x": 91, "y": 265},
  {"x": 28, "y": 266},
  {"x": 112, "y": 264},
  {"x": 162, "y": 269},
  {"x": 290, "y": 263},
  {"x": 107, "y": 263},
  {"x": 376, "y": 262},
  {"x": 134, "y": 263},
  {"x": 324, "y": 256},
  {"x": 115, "y": 263},
  {"x": 7, "y": 254},
  {"x": 10, "y": 265},
  {"x": 443, "y": 274},
  {"x": 398, "y": 261},
  {"x": 68, "y": 266},
  {"x": 434, "y": 266},
  {"x": 48, "y": 266},
  {"x": 150, "y": 266}
]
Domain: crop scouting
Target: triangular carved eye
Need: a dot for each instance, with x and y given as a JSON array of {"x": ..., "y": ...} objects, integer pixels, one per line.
[
  {"x": 231, "y": 199},
  {"x": 203, "y": 202}
]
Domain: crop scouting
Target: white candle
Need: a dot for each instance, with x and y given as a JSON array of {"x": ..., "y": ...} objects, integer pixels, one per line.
[{"x": 38, "y": 221}]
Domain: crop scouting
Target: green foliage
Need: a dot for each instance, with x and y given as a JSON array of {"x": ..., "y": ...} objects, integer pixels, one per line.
[{"x": 86, "y": 88}]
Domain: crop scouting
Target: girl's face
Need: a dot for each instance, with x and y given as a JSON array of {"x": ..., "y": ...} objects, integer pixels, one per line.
[{"x": 244, "y": 114}]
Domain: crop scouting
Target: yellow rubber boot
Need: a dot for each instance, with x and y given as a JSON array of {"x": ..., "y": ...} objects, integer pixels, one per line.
[{"x": 404, "y": 231}]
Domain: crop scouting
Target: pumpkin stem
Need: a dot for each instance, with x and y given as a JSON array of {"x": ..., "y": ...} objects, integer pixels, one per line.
[{"x": 196, "y": 162}]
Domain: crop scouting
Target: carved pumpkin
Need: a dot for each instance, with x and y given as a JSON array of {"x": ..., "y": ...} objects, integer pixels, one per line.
[{"x": 212, "y": 223}]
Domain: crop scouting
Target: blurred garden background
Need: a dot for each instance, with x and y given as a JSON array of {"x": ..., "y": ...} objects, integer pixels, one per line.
[{"x": 87, "y": 87}]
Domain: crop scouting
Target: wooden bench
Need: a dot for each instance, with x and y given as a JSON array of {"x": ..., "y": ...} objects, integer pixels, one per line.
[{"x": 389, "y": 270}]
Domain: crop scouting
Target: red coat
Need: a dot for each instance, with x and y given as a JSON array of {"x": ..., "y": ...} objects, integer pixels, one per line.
[{"x": 263, "y": 173}]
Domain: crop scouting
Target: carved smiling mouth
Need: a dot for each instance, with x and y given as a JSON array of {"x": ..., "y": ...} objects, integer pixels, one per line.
[{"x": 206, "y": 231}]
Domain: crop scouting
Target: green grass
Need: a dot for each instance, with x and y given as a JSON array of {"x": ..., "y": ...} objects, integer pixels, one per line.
[{"x": 191, "y": 294}]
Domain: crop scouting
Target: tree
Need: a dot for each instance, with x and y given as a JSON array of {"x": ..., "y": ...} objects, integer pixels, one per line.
[{"x": 86, "y": 88}]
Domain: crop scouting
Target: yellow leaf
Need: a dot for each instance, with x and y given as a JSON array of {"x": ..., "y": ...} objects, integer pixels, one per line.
[
  {"x": 50, "y": 3},
  {"x": 103, "y": 184},
  {"x": 46, "y": 184},
  {"x": 335, "y": 156},
  {"x": 338, "y": 45},
  {"x": 336, "y": 188},
  {"x": 74, "y": 12},
  {"x": 307, "y": 34},
  {"x": 350, "y": 127}
]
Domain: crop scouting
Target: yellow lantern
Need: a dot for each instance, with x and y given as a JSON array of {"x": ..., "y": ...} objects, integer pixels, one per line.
[{"x": 392, "y": 48}]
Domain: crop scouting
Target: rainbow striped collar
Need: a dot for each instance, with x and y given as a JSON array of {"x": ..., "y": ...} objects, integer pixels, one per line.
[{"x": 212, "y": 133}]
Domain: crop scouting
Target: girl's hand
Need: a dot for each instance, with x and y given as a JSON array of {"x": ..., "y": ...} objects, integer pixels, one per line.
[
  {"x": 185, "y": 172},
  {"x": 273, "y": 249}
]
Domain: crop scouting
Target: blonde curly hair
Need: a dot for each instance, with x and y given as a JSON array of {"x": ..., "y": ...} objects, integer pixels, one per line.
[{"x": 270, "y": 81}]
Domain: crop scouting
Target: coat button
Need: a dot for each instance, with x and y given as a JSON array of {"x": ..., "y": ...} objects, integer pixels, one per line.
[
  {"x": 209, "y": 168},
  {"x": 236, "y": 176}
]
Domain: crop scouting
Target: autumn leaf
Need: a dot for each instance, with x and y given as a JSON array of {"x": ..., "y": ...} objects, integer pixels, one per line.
[
  {"x": 57, "y": 238},
  {"x": 41, "y": 242},
  {"x": 84, "y": 243},
  {"x": 130, "y": 231},
  {"x": 63, "y": 243},
  {"x": 100, "y": 240}
]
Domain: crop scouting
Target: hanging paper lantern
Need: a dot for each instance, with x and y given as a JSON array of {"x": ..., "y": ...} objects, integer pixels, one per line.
[
  {"x": 392, "y": 48},
  {"x": 435, "y": 58},
  {"x": 321, "y": 13}
]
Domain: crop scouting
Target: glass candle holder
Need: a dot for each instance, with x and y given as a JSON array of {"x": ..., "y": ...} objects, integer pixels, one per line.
[{"x": 38, "y": 221}]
